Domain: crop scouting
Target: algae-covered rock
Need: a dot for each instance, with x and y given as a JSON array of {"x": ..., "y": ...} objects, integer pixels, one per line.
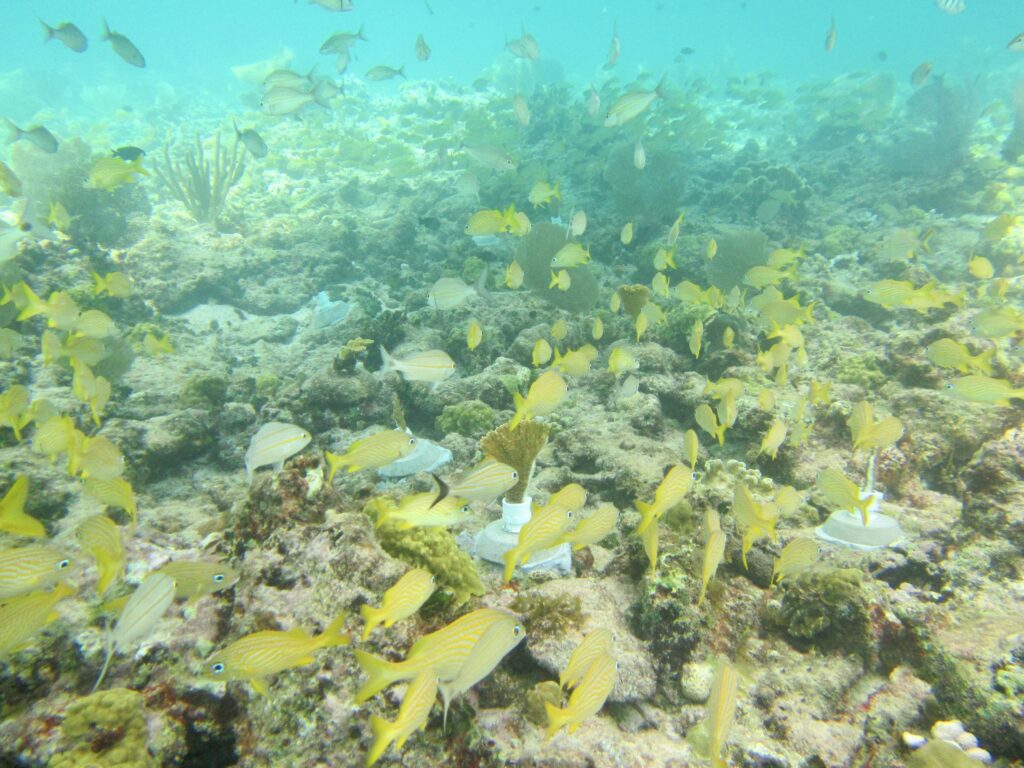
[
  {"x": 436, "y": 550},
  {"x": 106, "y": 729},
  {"x": 471, "y": 418},
  {"x": 828, "y": 608},
  {"x": 994, "y": 489}
]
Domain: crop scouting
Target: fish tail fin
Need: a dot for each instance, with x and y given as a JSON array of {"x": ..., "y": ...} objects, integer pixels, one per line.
[
  {"x": 320, "y": 99},
  {"x": 720, "y": 433},
  {"x": 556, "y": 718},
  {"x": 660, "y": 87},
  {"x": 381, "y": 674},
  {"x": 136, "y": 166},
  {"x": 333, "y": 636},
  {"x": 387, "y": 362},
  {"x": 554, "y": 279},
  {"x": 106, "y": 662},
  {"x": 13, "y": 517},
  {"x": 646, "y": 516},
  {"x": 446, "y": 699},
  {"x": 984, "y": 361},
  {"x": 13, "y": 132},
  {"x": 520, "y": 403},
  {"x": 510, "y": 558},
  {"x": 32, "y": 304},
  {"x": 101, "y": 284},
  {"x": 238, "y": 133},
  {"x": 334, "y": 462},
  {"x": 47, "y": 31},
  {"x": 360, "y": 34},
  {"x": 442, "y": 490},
  {"x": 557, "y": 191},
  {"x": 401, "y": 72},
  {"x": 105, "y": 32},
  {"x": 480, "y": 286},
  {"x": 371, "y": 618},
  {"x": 384, "y": 733}
]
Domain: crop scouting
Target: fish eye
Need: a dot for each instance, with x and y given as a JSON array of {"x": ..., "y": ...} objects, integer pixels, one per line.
[
  {"x": 569, "y": 513},
  {"x": 412, "y": 441},
  {"x": 65, "y": 563},
  {"x": 217, "y": 668},
  {"x": 465, "y": 509},
  {"x": 949, "y": 385},
  {"x": 218, "y": 577},
  {"x": 517, "y": 630},
  {"x": 432, "y": 580},
  {"x": 515, "y": 475}
]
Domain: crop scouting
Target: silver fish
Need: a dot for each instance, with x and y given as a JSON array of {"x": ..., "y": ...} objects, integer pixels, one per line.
[
  {"x": 286, "y": 78},
  {"x": 286, "y": 101},
  {"x": 70, "y": 35},
  {"x": 272, "y": 444},
  {"x": 342, "y": 41},
  {"x": 252, "y": 141},
  {"x": 36, "y": 134},
  {"x": 381, "y": 72},
  {"x": 123, "y": 47},
  {"x": 333, "y": 5}
]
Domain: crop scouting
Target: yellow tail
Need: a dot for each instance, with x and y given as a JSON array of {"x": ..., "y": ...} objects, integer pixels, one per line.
[
  {"x": 335, "y": 462},
  {"x": 521, "y": 412},
  {"x": 333, "y": 635},
  {"x": 557, "y": 717},
  {"x": 646, "y": 515},
  {"x": 384, "y": 733},
  {"x": 511, "y": 558},
  {"x": 381, "y": 674},
  {"x": 371, "y": 618}
]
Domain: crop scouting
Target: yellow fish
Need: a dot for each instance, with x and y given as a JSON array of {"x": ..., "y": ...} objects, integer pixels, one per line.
[
  {"x": 762, "y": 276},
  {"x": 626, "y": 234},
  {"x": 58, "y": 217},
  {"x": 597, "y": 329},
  {"x": 706, "y": 420},
  {"x": 194, "y": 579},
  {"x": 543, "y": 193},
  {"x": 820, "y": 392},
  {"x": 24, "y": 569},
  {"x": 696, "y": 336},
  {"x": 15, "y": 407},
  {"x": 412, "y": 716},
  {"x": 400, "y": 601},
  {"x": 426, "y": 510},
  {"x": 1000, "y": 227},
  {"x": 980, "y": 268},
  {"x": 109, "y": 173},
  {"x": 673, "y": 488},
  {"x": 562, "y": 280},
  {"x": 621, "y": 361},
  {"x": 544, "y": 396},
  {"x": 773, "y": 438},
  {"x": 728, "y": 337},
  {"x": 587, "y": 698},
  {"x": 984, "y": 389},
  {"x": 722, "y": 702},
  {"x": 595, "y": 645},
  {"x": 13, "y": 518},
  {"x": 474, "y": 335},
  {"x": 757, "y": 520},
  {"x": 691, "y": 447},
  {"x": 714, "y": 551},
  {"x": 10, "y": 184},
  {"x": 659, "y": 284},
  {"x": 21, "y": 617},
  {"x": 843, "y": 493},
  {"x": 154, "y": 346},
  {"x": 433, "y": 365},
  {"x": 559, "y": 330},
  {"x": 514, "y": 276},
  {"x": 484, "y": 482},
  {"x": 795, "y": 558},
  {"x": 373, "y": 452},
  {"x": 545, "y": 528},
  {"x": 255, "y": 657},
  {"x": 947, "y": 353},
  {"x": 870, "y": 434},
  {"x": 998, "y": 322},
  {"x": 484, "y": 223},
  {"x": 115, "y": 492},
  {"x": 664, "y": 259},
  {"x": 101, "y": 538},
  {"x": 593, "y": 528},
  {"x": 712, "y": 249},
  {"x": 570, "y": 255},
  {"x": 541, "y": 352},
  {"x": 575, "y": 362},
  {"x": 673, "y": 231}
]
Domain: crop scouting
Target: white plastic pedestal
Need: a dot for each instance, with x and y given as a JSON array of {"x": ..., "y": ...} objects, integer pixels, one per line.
[
  {"x": 847, "y": 528},
  {"x": 502, "y": 535}
]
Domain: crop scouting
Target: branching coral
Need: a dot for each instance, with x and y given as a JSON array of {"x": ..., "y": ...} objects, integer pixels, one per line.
[
  {"x": 201, "y": 185},
  {"x": 518, "y": 448}
]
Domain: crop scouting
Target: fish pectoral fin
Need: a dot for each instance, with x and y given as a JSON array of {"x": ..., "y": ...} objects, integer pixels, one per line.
[
  {"x": 260, "y": 686},
  {"x": 305, "y": 660}
]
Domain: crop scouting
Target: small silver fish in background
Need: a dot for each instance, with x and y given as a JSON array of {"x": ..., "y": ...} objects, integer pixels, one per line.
[
  {"x": 286, "y": 78},
  {"x": 286, "y": 101},
  {"x": 333, "y": 5},
  {"x": 1017, "y": 44},
  {"x": 422, "y": 49},
  {"x": 325, "y": 90},
  {"x": 524, "y": 47},
  {"x": 252, "y": 141},
  {"x": 451, "y": 292},
  {"x": 382, "y": 72},
  {"x": 434, "y": 365},
  {"x": 614, "y": 51},
  {"x": 342, "y": 62},
  {"x": 272, "y": 444},
  {"x": 492, "y": 156},
  {"x": 123, "y": 47},
  {"x": 342, "y": 41},
  {"x": 639, "y": 155},
  {"x": 952, "y": 7},
  {"x": 35, "y": 134},
  {"x": 70, "y": 35},
  {"x": 140, "y": 614},
  {"x": 593, "y": 102}
]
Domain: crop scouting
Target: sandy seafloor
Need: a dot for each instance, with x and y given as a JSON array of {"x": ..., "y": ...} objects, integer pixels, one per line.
[{"x": 363, "y": 202}]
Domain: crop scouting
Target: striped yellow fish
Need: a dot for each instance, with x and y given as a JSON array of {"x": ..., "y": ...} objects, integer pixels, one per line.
[
  {"x": 140, "y": 615},
  {"x": 984, "y": 389},
  {"x": 795, "y": 558},
  {"x": 412, "y": 716},
  {"x": 595, "y": 645},
  {"x": 871, "y": 434},
  {"x": 593, "y": 528},
  {"x": 708, "y": 421},
  {"x": 721, "y": 711},
  {"x": 588, "y": 697},
  {"x": 691, "y": 447},
  {"x": 194, "y": 579},
  {"x": 497, "y": 641},
  {"x": 485, "y": 482},
  {"x": 474, "y": 334},
  {"x": 13, "y": 518},
  {"x": 426, "y": 510},
  {"x": 401, "y": 601},
  {"x": 544, "y": 396},
  {"x": 755, "y": 519},
  {"x": 541, "y": 352},
  {"x": 113, "y": 493},
  {"x": 254, "y": 657},
  {"x": 101, "y": 538},
  {"x": 843, "y": 493},
  {"x": 543, "y": 530},
  {"x": 773, "y": 438},
  {"x": 714, "y": 551},
  {"x": 373, "y": 452},
  {"x": 649, "y": 538},
  {"x": 444, "y": 651},
  {"x": 674, "y": 486},
  {"x": 100, "y": 458},
  {"x": 21, "y": 617},
  {"x": 433, "y": 366},
  {"x": 24, "y": 569},
  {"x": 272, "y": 444}
]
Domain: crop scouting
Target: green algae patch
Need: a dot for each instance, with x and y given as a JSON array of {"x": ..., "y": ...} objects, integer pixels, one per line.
[
  {"x": 436, "y": 550},
  {"x": 549, "y": 616},
  {"x": 105, "y": 730},
  {"x": 828, "y": 609},
  {"x": 470, "y": 418}
]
